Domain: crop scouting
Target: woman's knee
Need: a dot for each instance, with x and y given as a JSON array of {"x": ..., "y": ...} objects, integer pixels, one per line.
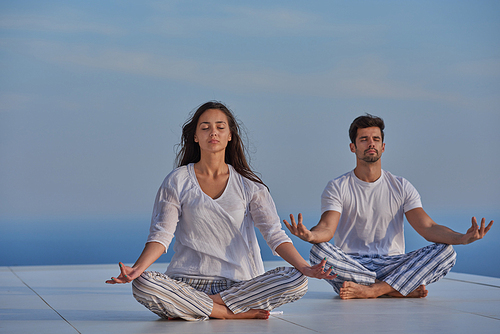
[
  {"x": 146, "y": 287},
  {"x": 141, "y": 286},
  {"x": 296, "y": 281}
]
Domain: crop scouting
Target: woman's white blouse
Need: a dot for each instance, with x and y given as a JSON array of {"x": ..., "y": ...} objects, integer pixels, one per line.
[{"x": 214, "y": 238}]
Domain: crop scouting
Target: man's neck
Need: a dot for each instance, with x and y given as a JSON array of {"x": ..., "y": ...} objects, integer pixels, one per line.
[{"x": 368, "y": 172}]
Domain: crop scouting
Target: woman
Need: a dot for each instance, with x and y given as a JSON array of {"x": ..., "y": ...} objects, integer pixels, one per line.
[{"x": 212, "y": 202}]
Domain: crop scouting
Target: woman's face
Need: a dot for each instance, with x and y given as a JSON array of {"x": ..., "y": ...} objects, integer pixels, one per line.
[{"x": 212, "y": 132}]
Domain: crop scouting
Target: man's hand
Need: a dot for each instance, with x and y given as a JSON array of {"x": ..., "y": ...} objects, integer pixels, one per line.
[
  {"x": 476, "y": 232},
  {"x": 298, "y": 229}
]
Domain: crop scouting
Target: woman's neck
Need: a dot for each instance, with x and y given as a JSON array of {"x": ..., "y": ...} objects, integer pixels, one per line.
[
  {"x": 212, "y": 176},
  {"x": 211, "y": 165}
]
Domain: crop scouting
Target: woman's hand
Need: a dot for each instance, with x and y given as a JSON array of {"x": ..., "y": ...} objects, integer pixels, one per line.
[
  {"x": 318, "y": 271},
  {"x": 288, "y": 252},
  {"x": 127, "y": 275},
  {"x": 151, "y": 252}
]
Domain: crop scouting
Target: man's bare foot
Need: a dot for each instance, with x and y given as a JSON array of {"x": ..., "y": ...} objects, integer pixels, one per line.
[
  {"x": 420, "y": 292},
  {"x": 351, "y": 290}
]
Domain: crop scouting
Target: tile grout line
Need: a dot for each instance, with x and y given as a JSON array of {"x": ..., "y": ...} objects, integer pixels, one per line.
[
  {"x": 464, "y": 281},
  {"x": 459, "y": 310},
  {"x": 416, "y": 300},
  {"x": 293, "y": 323},
  {"x": 59, "y": 314}
]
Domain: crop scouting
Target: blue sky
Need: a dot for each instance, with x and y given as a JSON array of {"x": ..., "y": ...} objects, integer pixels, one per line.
[{"x": 93, "y": 95}]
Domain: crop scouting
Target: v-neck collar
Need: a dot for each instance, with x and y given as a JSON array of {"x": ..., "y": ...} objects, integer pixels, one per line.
[{"x": 195, "y": 180}]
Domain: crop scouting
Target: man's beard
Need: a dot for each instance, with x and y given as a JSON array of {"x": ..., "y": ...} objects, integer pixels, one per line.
[{"x": 371, "y": 158}]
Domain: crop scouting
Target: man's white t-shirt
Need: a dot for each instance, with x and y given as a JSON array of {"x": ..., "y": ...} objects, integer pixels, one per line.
[{"x": 372, "y": 213}]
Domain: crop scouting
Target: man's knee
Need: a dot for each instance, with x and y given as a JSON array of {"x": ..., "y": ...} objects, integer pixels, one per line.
[
  {"x": 447, "y": 251},
  {"x": 320, "y": 251},
  {"x": 451, "y": 254},
  {"x": 444, "y": 257}
]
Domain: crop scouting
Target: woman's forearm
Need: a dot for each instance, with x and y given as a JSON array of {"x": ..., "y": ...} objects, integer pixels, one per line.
[
  {"x": 289, "y": 253},
  {"x": 151, "y": 252}
]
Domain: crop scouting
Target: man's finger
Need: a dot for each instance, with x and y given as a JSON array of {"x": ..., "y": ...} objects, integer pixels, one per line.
[
  {"x": 482, "y": 226},
  {"x": 488, "y": 227},
  {"x": 290, "y": 228}
]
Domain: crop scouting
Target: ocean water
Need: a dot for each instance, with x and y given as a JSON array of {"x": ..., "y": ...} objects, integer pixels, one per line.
[{"x": 104, "y": 241}]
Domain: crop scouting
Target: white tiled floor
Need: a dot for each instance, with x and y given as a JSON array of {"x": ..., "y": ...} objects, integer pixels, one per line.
[{"x": 75, "y": 299}]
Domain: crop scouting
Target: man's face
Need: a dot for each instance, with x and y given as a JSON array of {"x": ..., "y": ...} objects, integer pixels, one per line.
[{"x": 369, "y": 146}]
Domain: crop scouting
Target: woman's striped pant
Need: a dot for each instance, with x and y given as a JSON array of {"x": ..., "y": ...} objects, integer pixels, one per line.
[
  {"x": 404, "y": 272},
  {"x": 187, "y": 298}
]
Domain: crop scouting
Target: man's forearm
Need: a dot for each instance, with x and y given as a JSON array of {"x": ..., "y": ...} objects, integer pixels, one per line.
[
  {"x": 319, "y": 235},
  {"x": 444, "y": 235}
]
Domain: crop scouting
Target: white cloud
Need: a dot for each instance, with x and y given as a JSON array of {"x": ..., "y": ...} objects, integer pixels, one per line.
[
  {"x": 62, "y": 24},
  {"x": 479, "y": 68},
  {"x": 13, "y": 101},
  {"x": 365, "y": 77},
  {"x": 245, "y": 21}
]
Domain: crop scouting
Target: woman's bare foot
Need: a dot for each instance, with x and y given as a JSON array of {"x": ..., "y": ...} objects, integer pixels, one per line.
[
  {"x": 251, "y": 314},
  {"x": 221, "y": 311}
]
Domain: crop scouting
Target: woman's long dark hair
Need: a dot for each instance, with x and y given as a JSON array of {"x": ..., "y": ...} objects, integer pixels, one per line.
[{"x": 189, "y": 151}]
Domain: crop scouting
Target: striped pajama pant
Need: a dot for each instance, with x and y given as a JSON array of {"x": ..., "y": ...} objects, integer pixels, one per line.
[
  {"x": 187, "y": 298},
  {"x": 404, "y": 272}
]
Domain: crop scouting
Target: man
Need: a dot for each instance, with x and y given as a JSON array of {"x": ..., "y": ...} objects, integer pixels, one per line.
[{"x": 364, "y": 210}]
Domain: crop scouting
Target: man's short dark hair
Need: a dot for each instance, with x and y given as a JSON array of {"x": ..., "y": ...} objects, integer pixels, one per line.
[{"x": 366, "y": 121}]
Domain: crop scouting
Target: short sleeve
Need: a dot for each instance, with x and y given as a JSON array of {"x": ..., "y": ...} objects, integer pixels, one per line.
[
  {"x": 411, "y": 197},
  {"x": 331, "y": 198},
  {"x": 166, "y": 213}
]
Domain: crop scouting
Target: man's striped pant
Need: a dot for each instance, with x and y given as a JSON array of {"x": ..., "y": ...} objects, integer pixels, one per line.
[{"x": 404, "y": 273}]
